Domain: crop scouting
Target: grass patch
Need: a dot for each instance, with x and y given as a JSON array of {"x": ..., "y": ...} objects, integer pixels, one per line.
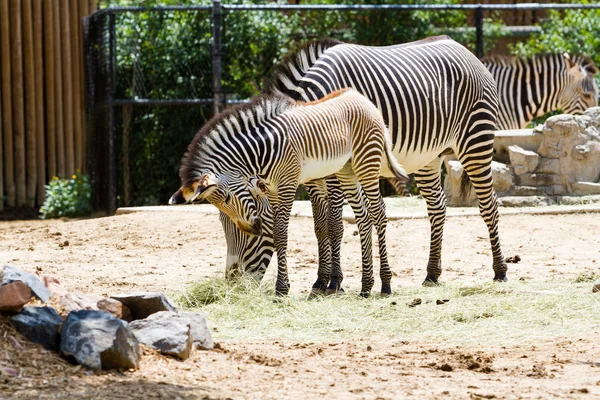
[{"x": 486, "y": 313}]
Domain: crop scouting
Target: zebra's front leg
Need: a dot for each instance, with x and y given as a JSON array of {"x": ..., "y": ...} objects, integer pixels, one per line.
[
  {"x": 360, "y": 206},
  {"x": 317, "y": 192},
  {"x": 280, "y": 235},
  {"x": 336, "y": 233},
  {"x": 429, "y": 182}
]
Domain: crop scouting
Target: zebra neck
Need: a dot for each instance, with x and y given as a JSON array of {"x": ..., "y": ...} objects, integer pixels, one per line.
[{"x": 547, "y": 81}]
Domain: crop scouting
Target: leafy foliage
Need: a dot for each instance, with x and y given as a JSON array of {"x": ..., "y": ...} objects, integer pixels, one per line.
[{"x": 67, "y": 197}]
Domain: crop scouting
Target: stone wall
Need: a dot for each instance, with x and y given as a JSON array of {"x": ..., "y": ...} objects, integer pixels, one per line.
[{"x": 567, "y": 162}]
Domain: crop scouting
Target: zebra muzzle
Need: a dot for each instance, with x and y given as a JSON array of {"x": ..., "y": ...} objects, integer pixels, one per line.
[{"x": 255, "y": 228}]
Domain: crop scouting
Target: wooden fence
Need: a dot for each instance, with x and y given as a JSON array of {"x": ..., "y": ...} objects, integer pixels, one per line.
[{"x": 42, "y": 121}]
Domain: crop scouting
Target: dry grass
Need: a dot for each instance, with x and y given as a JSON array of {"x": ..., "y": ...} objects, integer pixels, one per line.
[{"x": 485, "y": 313}]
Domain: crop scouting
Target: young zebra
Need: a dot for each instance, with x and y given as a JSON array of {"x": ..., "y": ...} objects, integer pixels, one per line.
[{"x": 286, "y": 143}]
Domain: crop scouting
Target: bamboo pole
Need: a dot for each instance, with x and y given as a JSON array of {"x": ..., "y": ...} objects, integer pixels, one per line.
[
  {"x": 18, "y": 107},
  {"x": 39, "y": 100},
  {"x": 8, "y": 175},
  {"x": 30, "y": 103},
  {"x": 50, "y": 86},
  {"x": 67, "y": 71},
  {"x": 58, "y": 92},
  {"x": 84, "y": 11},
  {"x": 76, "y": 72}
]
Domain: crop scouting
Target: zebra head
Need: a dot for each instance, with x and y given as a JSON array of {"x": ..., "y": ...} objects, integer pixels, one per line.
[
  {"x": 250, "y": 254},
  {"x": 229, "y": 193},
  {"x": 581, "y": 91}
]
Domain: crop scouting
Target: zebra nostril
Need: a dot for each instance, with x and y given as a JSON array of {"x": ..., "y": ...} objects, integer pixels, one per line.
[{"x": 257, "y": 225}]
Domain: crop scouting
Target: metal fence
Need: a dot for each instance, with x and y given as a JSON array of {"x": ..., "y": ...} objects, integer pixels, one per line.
[{"x": 157, "y": 70}]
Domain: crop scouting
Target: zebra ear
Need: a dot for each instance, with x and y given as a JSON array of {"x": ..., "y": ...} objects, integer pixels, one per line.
[
  {"x": 570, "y": 62},
  {"x": 204, "y": 185}
]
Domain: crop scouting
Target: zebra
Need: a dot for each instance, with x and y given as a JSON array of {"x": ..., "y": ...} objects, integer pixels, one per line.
[
  {"x": 285, "y": 143},
  {"x": 529, "y": 88},
  {"x": 435, "y": 96}
]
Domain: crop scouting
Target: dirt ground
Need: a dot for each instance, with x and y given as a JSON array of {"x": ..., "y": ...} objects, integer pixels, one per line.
[{"x": 164, "y": 252}]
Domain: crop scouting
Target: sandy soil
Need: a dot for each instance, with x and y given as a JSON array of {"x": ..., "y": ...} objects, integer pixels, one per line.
[{"x": 156, "y": 252}]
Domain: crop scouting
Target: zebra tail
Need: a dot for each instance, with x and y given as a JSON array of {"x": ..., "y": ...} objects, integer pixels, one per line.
[
  {"x": 465, "y": 186},
  {"x": 393, "y": 164}
]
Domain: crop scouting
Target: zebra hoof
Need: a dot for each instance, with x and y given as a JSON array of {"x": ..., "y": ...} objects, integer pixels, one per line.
[
  {"x": 316, "y": 292},
  {"x": 335, "y": 287},
  {"x": 365, "y": 295},
  {"x": 500, "y": 277},
  {"x": 282, "y": 292},
  {"x": 331, "y": 291},
  {"x": 386, "y": 289},
  {"x": 431, "y": 281}
]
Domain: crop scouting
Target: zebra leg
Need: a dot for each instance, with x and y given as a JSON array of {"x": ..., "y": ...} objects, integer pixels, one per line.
[
  {"x": 320, "y": 209},
  {"x": 379, "y": 217},
  {"x": 359, "y": 203},
  {"x": 280, "y": 235},
  {"x": 480, "y": 174},
  {"x": 429, "y": 182},
  {"x": 336, "y": 233}
]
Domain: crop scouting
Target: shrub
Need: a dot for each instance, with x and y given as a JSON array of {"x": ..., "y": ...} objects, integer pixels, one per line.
[{"x": 67, "y": 197}]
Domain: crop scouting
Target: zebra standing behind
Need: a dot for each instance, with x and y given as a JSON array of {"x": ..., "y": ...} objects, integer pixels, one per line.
[
  {"x": 436, "y": 98},
  {"x": 286, "y": 143}
]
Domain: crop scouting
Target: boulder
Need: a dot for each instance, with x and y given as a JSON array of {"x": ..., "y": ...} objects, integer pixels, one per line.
[
  {"x": 165, "y": 331},
  {"x": 99, "y": 340},
  {"x": 529, "y": 179},
  {"x": 14, "y": 296},
  {"x": 79, "y": 301},
  {"x": 11, "y": 274},
  {"x": 523, "y": 160},
  {"x": 501, "y": 173},
  {"x": 525, "y": 201},
  {"x": 116, "y": 308},
  {"x": 54, "y": 287},
  {"x": 199, "y": 329},
  {"x": 585, "y": 187},
  {"x": 143, "y": 305},
  {"x": 39, "y": 325}
]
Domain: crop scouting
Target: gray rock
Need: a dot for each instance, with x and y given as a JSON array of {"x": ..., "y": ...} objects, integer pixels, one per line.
[
  {"x": 165, "y": 331},
  {"x": 548, "y": 166},
  {"x": 143, "y": 305},
  {"x": 525, "y": 201},
  {"x": 199, "y": 330},
  {"x": 529, "y": 179},
  {"x": 99, "y": 340},
  {"x": 523, "y": 160},
  {"x": 39, "y": 325},
  {"x": 79, "y": 301},
  {"x": 586, "y": 187},
  {"x": 11, "y": 274},
  {"x": 501, "y": 173}
]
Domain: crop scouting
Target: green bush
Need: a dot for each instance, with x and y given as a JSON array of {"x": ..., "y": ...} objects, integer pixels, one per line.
[{"x": 67, "y": 197}]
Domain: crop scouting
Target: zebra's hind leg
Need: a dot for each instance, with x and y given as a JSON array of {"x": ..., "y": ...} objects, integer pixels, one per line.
[
  {"x": 317, "y": 191},
  {"x": 336, "y": 233},
  {"x": 360, "y": 205},
  {"x": 285, "y": 196},
  {"x": 478, "y": 167},
  {"x": 429, "y": 182}
]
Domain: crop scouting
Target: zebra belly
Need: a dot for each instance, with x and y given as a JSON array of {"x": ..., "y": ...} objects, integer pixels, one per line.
[
  {"x": 412, "y": 162},
  {"x": 318, "y": 168}
]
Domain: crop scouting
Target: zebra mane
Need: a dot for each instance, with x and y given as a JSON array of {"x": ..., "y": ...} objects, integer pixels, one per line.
[
  {"x": 260, "y": 110},
  {"x": 284, "y": 76},
  {"x": 585, "y": 62}
]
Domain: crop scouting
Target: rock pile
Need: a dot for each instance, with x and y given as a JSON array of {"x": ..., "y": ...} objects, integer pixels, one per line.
[
  {"x": 567, "y": 162},
  {"x": 99, "y": 332}
]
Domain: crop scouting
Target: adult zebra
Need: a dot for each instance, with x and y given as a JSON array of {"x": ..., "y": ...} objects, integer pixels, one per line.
[
  {"x": 531, "y": 87},
  {"x": 436, "y": 98}
]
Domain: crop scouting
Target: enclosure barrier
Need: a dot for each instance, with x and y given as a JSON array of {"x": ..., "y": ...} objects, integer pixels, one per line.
[
  {"x": 114, "y": 97},
  {"x": 42, "y": 95}
]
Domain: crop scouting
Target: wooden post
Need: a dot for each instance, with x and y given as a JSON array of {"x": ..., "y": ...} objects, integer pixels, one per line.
[
  {"x": 67, "y": 83},
  {"x": 92, "y": 6},
  {"x": 76, "y": 73},
  {"x": 7, "y": 127},
  {"x": 39, "y": 99},
  {"x": 18, "y": 107},
  {"x": 30, "y": 103},
  {"x": 83, "y": 12},
  {"x": 58, "y": 92},
  {"x": 50, "y": 87}
]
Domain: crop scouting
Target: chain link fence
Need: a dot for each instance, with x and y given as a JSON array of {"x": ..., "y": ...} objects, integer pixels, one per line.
[{"x": 155, "y": 75}]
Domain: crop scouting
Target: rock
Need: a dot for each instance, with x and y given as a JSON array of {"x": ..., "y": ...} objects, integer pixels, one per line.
[
  {"x": 14, "y": 296},
  {"x": 596, "y": 287},
  {"x": 54, "y": 287},
  {"x": 165, "y": 331},
  {"x": 79, "y": 301},
  {"x": 200, "y": 333},
  {"x": 535, "y": 179},
  {"x": 143, "y": 305},
  {"x": 11, "y": 274},
  {"x": 99, "y": 340},
  {"x": 501, "y": 173},
  {"x": 525, "y": 201},
  {"x": 116, "y": 308},
  {"x": 585, "y": 187},
  {"x": 39, "y": 325},
  {"x": 503, "y": 177},
  {"x": 523, "y": 160},
  {"x": 532, "y": 191},
  {"x": 548, "y": 166}
]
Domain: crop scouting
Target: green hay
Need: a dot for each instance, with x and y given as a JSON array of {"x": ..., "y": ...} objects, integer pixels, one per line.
[{"x": 488, "y": 313}]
